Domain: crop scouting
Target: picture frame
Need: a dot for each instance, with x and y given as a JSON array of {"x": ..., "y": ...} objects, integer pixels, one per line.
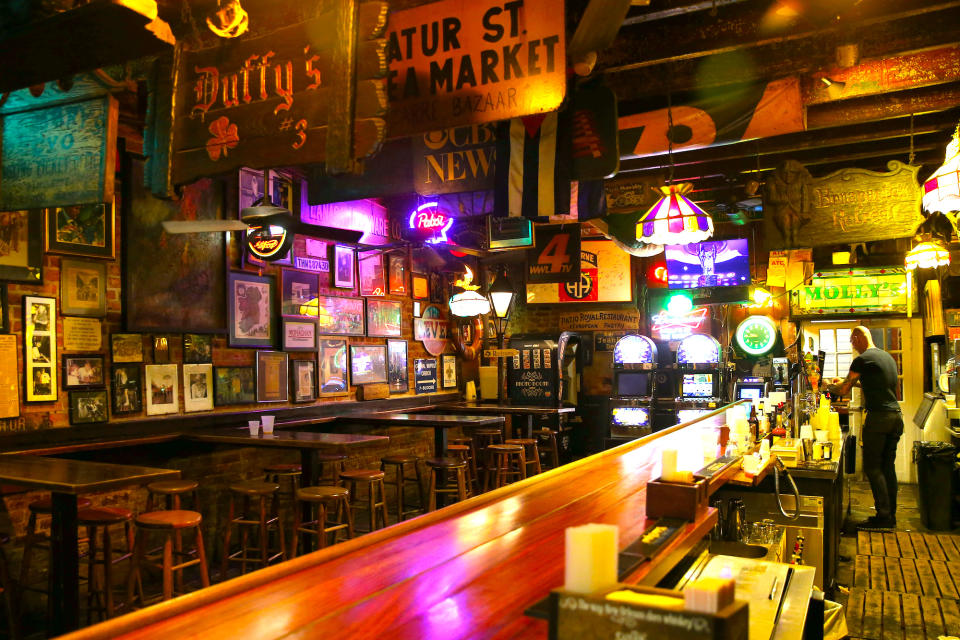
[
  {"x": 126, "y": 347},
  {"x": 371, "y": 272},
  {"x": 162, "y": 389},
  {"x": 436, "y": 289},
  {"x": 304, "y": 375},
  {"x": 23, "y": 230},
  {"x": 82, "y": 334},
  {"x": 250, "y": 310},
  {"x": 299, "y": 334},
  {"x": 81, "y": 230},
  {"x": 420, "y": 287},
  {"x": 344, "y": 274},
  {"x": 197, "y": 387},
  {"x": 398, "y": 374},
  {"x": 197, "y": 348},
  {"x": 417, "y": 309},
  {"x": 397, "y": 273},
  {"x": 4, "y": 309},
  {"x": 272, "y": 376},
  {"x": 368, "y": 363},
  {"x": 40, "y": 349},
  {"x": 234, "y": 385},
  {"x": 161, "y": 350},
  {"x": 448, "y": 365},
  {"x": 332, "y": 368},
  {"x": 384, "y": 318},
  {"x": 89, "y": 407},
  {"x": 341, "y": 316},
  {"x": 9, "y": 377},
  {"x": 83, "y": 288},
  {"x": 126, "y": 388},
  {"x": 299, "y": 291},
  {"x": 83, "y": 371}
]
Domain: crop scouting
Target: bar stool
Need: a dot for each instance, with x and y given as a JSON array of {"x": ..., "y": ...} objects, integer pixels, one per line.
[
  {"x": 328, "y": 500},
  {"x": 462, "y": 452},
  {"x": 531, "y": 455},
  {"x": 401, "y": 480},
  {"x": 503, "y": 457},
  {"x": 440, "y": 468},
  {"x": 36, "y": 539},
  {"x": 548, "y": 445},
  {"x": 168, "y": 523},
  {"x": 169, "y": 493},
  {"x": 332, "y": 464},
  {"x": 281, "y": 474},
  {"x": 467, "y": 441},
  {"x": 96, "y": 521},
  {"x": 262, "y": 523},
  {"x": 7, "y": 589},
  {"x": 373, "y": 479},
  {"x": 483, "y": 438}
]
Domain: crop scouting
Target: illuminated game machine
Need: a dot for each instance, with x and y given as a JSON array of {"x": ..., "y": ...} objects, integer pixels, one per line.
[
  {"x": 698, "y": 371},
  {"x": 634, "y": 362}
]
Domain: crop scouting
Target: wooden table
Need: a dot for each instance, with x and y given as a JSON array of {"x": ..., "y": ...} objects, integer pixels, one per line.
[
  {"x": 439, "y": 423},
  {"x": 66, "y": 479},
  {"x": 530, "y": 411}
]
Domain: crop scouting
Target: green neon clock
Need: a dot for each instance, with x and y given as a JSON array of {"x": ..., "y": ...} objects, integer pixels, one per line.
[{"x": 756, "y": 335}]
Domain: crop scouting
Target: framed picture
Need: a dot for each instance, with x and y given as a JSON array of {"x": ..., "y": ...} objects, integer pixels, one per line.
[
  {"x": 384, "y": 318},
  {"x": 343, "y": 274},
  {"x": 162, "y": 389},
  {"x": 372, "y": 277},
  {"x": 299, "y": 291},
  {"x": 272, "y": 378},
  {"x": 436, "y": 289},
  {"x": 421, "y": 289},
  {"x": 88, "y": 407},
  {"x": 332, "y": 361},
  {"x": 304, "y": 380},
  {"x": 4, "y": 309},
  {"x": 83, "y": 288},
  {"x": 299, "y": 335},
  {"x": 449, "y": 366},
  {"x": 340, "y": 316},
  {"x": 417, "y": 309},
  {"x": 40, "y": 348},
  {"x": 82, "y": 372},
  {"x": 125, "y": 386},
  {"x": 197, "y": 348},
  {"x": 249, "y": 298},
  {"x": 368, "y": 363},
  {"x": 397, "y": 273},
  {"x": 251, "y": 193},
  {"x": 82, "y": 335},
  {"x": 9, "y": 378},
  {"x": 21, "y": 258},
  {"x": 234, "y": 385},
  {"x": 161, "y": 350},
  {"x": 126, "y": 347},
  {"x": 398, "y": 376},
  {"x": 198, "y": 387},
  {"x": 81, "y": 230},
  {"x": 283, "y": 191}
]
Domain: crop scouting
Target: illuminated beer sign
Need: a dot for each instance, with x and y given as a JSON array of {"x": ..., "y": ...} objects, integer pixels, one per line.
[
  {"x": 428, "y": 224},
  {"x": 268, "y": 243},
  {"x": 845, "y": 291}
]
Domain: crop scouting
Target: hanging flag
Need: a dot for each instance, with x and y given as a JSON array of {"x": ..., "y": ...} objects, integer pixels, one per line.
[{"x": 533, "y": 167}]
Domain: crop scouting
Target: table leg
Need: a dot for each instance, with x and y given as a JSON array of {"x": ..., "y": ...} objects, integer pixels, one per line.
[
  {"x": 308, "y": 472},
  {"x": 439, "y": 441},
  {"x": 529, "y": 426},
  {"x": 64, "y": 601}
]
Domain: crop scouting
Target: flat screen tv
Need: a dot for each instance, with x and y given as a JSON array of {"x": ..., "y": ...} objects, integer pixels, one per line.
[
  {"x": 697, "y": 385},
  {"x": 633, "y": 383},
  {"x": 720, "y": 263}
]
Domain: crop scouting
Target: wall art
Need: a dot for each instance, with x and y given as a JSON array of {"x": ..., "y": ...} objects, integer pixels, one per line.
[
  {"x": 9, "y": 378},
  {"x": 126, "y": 389},
  {"x": 384, "y": 318},
  {"x": 21, "y": 246},
  {"x": 197, "y": 348},
  {"x": 299, "y": 334},
  {"x": 126, "y": 347},
  {"x": 340, "y": 316},
  {"x": 162, "y": 389},
  {"x": 82, "y": 334},
  {"x": 81, "y": 230},
  {"x": 449, "y": 369},
  {"x": 344, "y": 275},
  {"x": 397, "y": 273},
  {"x": 332, "y": 361},
  {"x": 249, "y": 299},
  {"x": 40, "y": 348},
  {"x": 198, "y": 387},
  {"x": 84, "y": 371},
  {"x": 83, "y": 288},
  {"x": 234, "y": 385},
  {"x": 272, "y": 376},
  {"x": 398, "y": 376},
  {"x": 304, "y": 380},
  {"x": 298, "y": 293},
  {"x": 88, "y": 407},
  {"x": 368, "y": 363},
  {"x": 372, "y": 277}
]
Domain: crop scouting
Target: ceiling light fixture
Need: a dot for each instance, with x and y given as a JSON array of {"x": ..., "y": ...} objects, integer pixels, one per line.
[
  {"x": 941, "y": 191},
  {"x": 229, "y": 20},
  {"x": 468, "y": 303}
]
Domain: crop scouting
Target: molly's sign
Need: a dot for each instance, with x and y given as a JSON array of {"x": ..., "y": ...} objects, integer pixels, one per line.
[{"x": 859, "y": 291}]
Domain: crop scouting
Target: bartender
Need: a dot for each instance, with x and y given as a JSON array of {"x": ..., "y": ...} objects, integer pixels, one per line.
[{"x": 876, "y": 372}]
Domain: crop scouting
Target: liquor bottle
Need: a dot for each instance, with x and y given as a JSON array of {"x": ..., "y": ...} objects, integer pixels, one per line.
[{"x": 754, "y": 424}]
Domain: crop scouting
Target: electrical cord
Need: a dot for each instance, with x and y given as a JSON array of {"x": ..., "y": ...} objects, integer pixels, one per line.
[{"x": 778, "y": 465}]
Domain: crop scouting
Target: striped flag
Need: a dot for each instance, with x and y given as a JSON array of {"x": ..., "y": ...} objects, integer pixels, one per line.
[{"x": 533, "y": 167}]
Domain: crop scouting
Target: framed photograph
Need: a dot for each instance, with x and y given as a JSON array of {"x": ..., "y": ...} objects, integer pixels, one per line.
[
  {"x": 299, "y": 335},
  {"x": 82, "y": 372},
  {"x": 344, "y": 275},
  {"x": 81, "y": 230},
  {"x": 161, "y": 350},
  {"x": 40, "y": 349},
  {"x": 398, "y": 377},
  {"x": 88, "y": 407},
  {"x": 125, "y": 387},
  {"x": 9, "y": 378},
  {"x": 198, "y": 387},
  {"x": 21, "y": 255},
  {"x": 304, "y": 380},
  {"x": 249, "y": 303},
  {"x": 397, "y": 273},
  {"x": 162, "y": 389},
  {"x": 384, "y": 318},
  {"x": 197, "y": 348},
  {"x": 340, "y": 316},
  {"x": 449, "y": 367},
  {"x": 421, "y": 288},
  {"x": 272, "y": 376},
  {"x": 4, "y": 309},
  {"x": 82, "y": 335},
  {"x": 417, "y": 308},
  {"x": 299, "y": 291},
  {"x": 436, "y": 289},
  {"x": 368, "y": 363},
  {"x": 234, "y": 385},
  {"x": 126, "y": 347},
  {"x": 251, "y": 192},
  {"x": 372, "y": 277},
  {"x": 83, "y": 288},
  {"x": 332, "y": 361}
]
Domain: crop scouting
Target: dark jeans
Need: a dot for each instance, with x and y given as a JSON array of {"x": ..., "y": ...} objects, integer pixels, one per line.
[{"x": 880, "y": 434}]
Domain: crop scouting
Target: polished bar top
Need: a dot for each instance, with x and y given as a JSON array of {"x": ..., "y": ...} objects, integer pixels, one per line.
[
  {"x": 286, "y": 439},
  {"x": 424, "y": 420},
  {"x": 76, "y": 476},
  {"x": 506, "y": 408}
]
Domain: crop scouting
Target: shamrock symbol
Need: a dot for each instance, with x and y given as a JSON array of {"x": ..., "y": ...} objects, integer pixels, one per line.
[{"x": 225, "y": 137}]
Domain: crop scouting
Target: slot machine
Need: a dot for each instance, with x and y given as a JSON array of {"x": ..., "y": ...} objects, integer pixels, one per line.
[
  {"x": 634, "y": 364},
  {"x": 699, "y": 369}
]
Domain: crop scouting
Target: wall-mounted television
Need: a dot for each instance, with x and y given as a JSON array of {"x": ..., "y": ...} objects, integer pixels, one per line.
[{"x": 720, "y": 263}]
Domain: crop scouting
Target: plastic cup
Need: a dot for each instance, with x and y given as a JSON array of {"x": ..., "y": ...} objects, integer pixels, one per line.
[
  {"x": 822, "y": 435},
  {"x": 254, "y": 426},
  {"x": 267, "y": 424}
]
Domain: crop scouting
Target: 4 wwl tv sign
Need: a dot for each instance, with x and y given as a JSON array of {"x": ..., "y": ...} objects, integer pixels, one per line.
[{"x": 556, "y": 254}]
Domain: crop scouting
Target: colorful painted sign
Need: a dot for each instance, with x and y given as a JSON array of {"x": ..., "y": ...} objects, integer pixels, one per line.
[
  {"x": 619, "y": 320},
  {"x": 605, "y": 276},
  {"x": 555, "y": 257},
  {"x": 431, "y": 329},
  {"x": 427, "y": 223},
  {"x": 860, "y": 291}
]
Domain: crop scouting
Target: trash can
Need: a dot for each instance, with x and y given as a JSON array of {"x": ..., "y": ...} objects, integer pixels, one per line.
[{"x": 935, "y": 473}]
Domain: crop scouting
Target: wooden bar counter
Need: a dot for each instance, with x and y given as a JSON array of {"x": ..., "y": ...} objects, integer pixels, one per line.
[{"x": 468, "y": 570}]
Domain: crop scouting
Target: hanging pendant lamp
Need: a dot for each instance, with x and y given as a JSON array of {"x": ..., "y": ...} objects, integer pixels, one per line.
[
  {"x": 674, "y": 219},
  {"x": 929, "y": 254},
  {"x": 941, "y": 191}
]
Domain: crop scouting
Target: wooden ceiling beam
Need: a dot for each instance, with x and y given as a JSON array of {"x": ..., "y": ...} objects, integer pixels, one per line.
[{"x": 888, "y": 105}]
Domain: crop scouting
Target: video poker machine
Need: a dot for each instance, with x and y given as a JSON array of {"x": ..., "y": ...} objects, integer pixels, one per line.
[
  {"x": 634, "y": 365},
  {"x": 699, "y": 376}
]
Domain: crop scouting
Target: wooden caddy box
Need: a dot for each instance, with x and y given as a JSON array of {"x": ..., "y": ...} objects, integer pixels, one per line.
[{"x": 677, "y": 500}]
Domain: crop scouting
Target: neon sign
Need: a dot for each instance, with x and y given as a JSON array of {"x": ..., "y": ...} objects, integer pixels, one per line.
[
  {"x": 429, "y": 224},
  {"x": 268, "y": 243},
  {"x": 679, "y": 320}
]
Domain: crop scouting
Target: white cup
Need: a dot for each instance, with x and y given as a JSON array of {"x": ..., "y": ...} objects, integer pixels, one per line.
[
  {"x": 822, "y": 435},
  {"x": 267, "y": 424},
  {"x": 254, "y": 426}
]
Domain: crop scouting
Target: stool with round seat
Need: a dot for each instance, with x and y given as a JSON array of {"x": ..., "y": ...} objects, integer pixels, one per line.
[
  {"x": 98, "y": 521},
  {"x": 170, "y": 493},
  {"x": 548, "y": 446},
  {"x": 328, "y": 501},
  {"x": 260, "y": 522},
  {"x": 467, "y": 441},
  {"x": 168, "y": 524},
  {"x": 462, "y": 452},
  {"x": 373, "y": 480},
  {"x": 282, "y": 474},
  {"x": 400, "y": 481},
  {"x": 329, "y": 468},
  {"x": 483, "y": 438},
  {"x": 7, "y": 590},
  {"x": 440, "y": 470},
  {"x": 531, "y": 454},
  {"x": 35, "y": 539},
  {"x": 506, "y": 462}
]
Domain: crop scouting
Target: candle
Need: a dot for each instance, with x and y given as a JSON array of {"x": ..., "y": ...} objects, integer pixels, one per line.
[
  {"x": 591, "y": 558},
  {"x": 709, "y": 595},
  {"x": 668, "y": 464}
]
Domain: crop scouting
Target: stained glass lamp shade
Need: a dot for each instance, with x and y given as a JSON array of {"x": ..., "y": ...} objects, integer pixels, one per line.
[
  {"x": 928, "y": 255},
  {"x": 941, "y": 191},
  {"x": 674, "y": 219}
]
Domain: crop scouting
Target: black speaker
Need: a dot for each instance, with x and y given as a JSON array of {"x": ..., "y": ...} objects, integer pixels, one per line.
[{"x": 665, "y": 384}]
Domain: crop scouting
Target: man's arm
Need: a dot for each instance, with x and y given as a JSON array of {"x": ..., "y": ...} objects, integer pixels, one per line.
[{"x": 843, "y": 389}]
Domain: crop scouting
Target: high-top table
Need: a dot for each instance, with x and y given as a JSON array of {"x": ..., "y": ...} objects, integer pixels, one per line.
[
  {"x": 439, "y": 423},
  {"x": 67, "y": 479},
  {"x": 530, "y": 411}
]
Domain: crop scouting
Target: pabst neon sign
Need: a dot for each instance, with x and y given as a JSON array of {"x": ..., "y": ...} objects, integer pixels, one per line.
[{"x": 429, "y": 224}]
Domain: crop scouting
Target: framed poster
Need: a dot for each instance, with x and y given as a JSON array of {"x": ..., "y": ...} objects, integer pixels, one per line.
[
  {"x": 197, "y": 348},
  {"x": 234, "y": 385},
  {"x": 449, "y": 366},
  {"x": 421, "y": 289},
  {"x": 372, "y": 276},
  {"x": 81, "y": 230},
  {"x": 425, "y": 375},
  {"x": 398, "y": 376},
  {"x": 21, "y": 252},
  {"x": 83, "y": 288},
  {"x": 82, "y": 372},
  {"x": 368, "y": 363},
  {"x": 82, "y": 334},
  {"x": 9, "y": 378},
  {"x": 417, "y": 308},
  {"x": 88, "y": 407},
  {"x": 272, "y": 378},
  {"x": 125, "y": 381},
  {"x": 299, "y": 291},
  {"x": 332, "y": 360},
  {"x": 397, "y": 273},
  {"x": 605, "y": 276},
  {"x": 126, "y": 347},
  {"x": 299, "y": 334},
  {"x": 340, "y": 316},
  {"x": 4, "y": 309},
  {"x": 344, "y": 275},
  {"x": 161, "y": 350},
  {"x": 384, "y": 318},
  {"x": 40, "y": 348},
  {"x": 162, "y": 389},
  {"x": 198, "y": 387},
  {"x": 304, "y": 380},
  {"x": 251, "y": 320}
]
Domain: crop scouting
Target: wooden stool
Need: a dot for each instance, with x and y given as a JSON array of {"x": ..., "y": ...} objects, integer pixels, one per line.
[
  {"x": 262, "y": 522},
  {"x": 373, "y": 479},
  {"x": 283, "y": 473},
  {"x": 167, "y": 523},
  {"x": 471, "y": 458},
  {"x": 328, "y": 500},
  {"x": 401, "y": 480},
  {"x": 96, "y": 521},
  {"x": 502, "y": 457},
  {"x": 531, "y": 455},
  {"x": 171, "y": 492},
  {"x": 483, "y": 438},
  {"x": 36, "y": 539},
  {"x": 439, "y": 467},
  {"x": 462, "y": 452},
  {"x": 548, "y": 445},
  {"x": 332, "y": 465},
  {"x": 7, "y": 589}
]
